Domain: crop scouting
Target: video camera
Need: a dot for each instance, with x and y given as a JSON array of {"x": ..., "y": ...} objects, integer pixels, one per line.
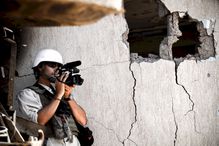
[{"x": 74, "y": 78}]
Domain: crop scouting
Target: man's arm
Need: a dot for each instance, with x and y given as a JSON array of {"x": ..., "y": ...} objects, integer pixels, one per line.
[
  {"x": 46, "y": 113},
  {"x": 28, "y": 104},
  {"x": 77, "y": 111}
]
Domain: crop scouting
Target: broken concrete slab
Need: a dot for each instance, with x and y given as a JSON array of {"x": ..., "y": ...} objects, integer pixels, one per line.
[
  {"x": 207, "y": 48},
  {"x": 173, "y": 33}
]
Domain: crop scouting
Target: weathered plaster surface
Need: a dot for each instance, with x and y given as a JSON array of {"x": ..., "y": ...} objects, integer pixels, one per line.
[
  {"x": 176, "y": 108},
  {"x": 108, "y": 101},
  {"x": 156, "y": 99}
]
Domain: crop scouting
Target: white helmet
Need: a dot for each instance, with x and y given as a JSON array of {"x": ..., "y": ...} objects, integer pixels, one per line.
[{"x": 48, "y": 55}]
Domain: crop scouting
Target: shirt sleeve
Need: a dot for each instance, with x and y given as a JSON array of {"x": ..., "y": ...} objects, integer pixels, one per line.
[{"x": 28, "y": 104}]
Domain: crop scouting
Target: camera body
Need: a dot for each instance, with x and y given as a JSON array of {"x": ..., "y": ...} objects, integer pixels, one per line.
[{"x": 74, "y": 77}]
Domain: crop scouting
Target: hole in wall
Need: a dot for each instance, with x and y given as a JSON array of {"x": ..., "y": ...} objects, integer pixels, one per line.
[
  {"x": 188, "y": 42},
  {"x": 147, "y": 27},
  {"x": 149, "y": 38},
  {"x": 145, "y": 43}
]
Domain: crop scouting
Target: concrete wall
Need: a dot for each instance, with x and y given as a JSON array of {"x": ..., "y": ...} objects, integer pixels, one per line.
[{"x": 140, "y": 104}]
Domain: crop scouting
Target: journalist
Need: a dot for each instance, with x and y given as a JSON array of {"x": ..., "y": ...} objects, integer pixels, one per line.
[{"x": 50, "y": 102}]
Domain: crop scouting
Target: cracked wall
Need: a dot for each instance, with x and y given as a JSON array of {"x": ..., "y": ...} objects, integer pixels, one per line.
[
  {"x": 191, "y": 95},
  {"x": 146, "y": 103}
]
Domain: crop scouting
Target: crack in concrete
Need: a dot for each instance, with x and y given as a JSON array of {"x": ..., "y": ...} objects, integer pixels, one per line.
[
  {"x": 30, "y": 74},
  {"x": 83, "y": 69},
  {"x": 174, "y": 116},
  {"x": 195, "y": 127},
  {"x": 109, "y": 129},
  {"x": 133, "y": 98},
  {"x": 193, "y": 104},
  {"x": 176, "y": 77},
  {"x": 103, "y": 65},
  {"x": 135, "y": 107}
]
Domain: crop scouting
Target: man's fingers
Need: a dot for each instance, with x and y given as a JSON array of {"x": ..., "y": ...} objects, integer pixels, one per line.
[
  {"x": 64, "y": 76},
  {"x": 68, "y": 90}
]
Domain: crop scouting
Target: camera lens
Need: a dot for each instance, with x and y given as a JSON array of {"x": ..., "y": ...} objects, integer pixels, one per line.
[{"x": 74, "y": 80}]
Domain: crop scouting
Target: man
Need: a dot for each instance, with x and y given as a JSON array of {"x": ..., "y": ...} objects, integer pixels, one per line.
[{"x": 46, "y": 102}]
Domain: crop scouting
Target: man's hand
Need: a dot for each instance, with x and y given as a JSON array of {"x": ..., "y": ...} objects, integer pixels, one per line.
[
  {"x": 68, "y": 91},
  {"x": 60, "y": 86}
]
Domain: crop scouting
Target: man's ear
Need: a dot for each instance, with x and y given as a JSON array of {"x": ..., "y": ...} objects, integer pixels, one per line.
[{"x": 40, "y": 67}]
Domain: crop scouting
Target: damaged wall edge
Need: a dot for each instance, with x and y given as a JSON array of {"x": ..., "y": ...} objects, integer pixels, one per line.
[
  {"x": 204, "y": 50},
  {"x": 173, "y": 33}
]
